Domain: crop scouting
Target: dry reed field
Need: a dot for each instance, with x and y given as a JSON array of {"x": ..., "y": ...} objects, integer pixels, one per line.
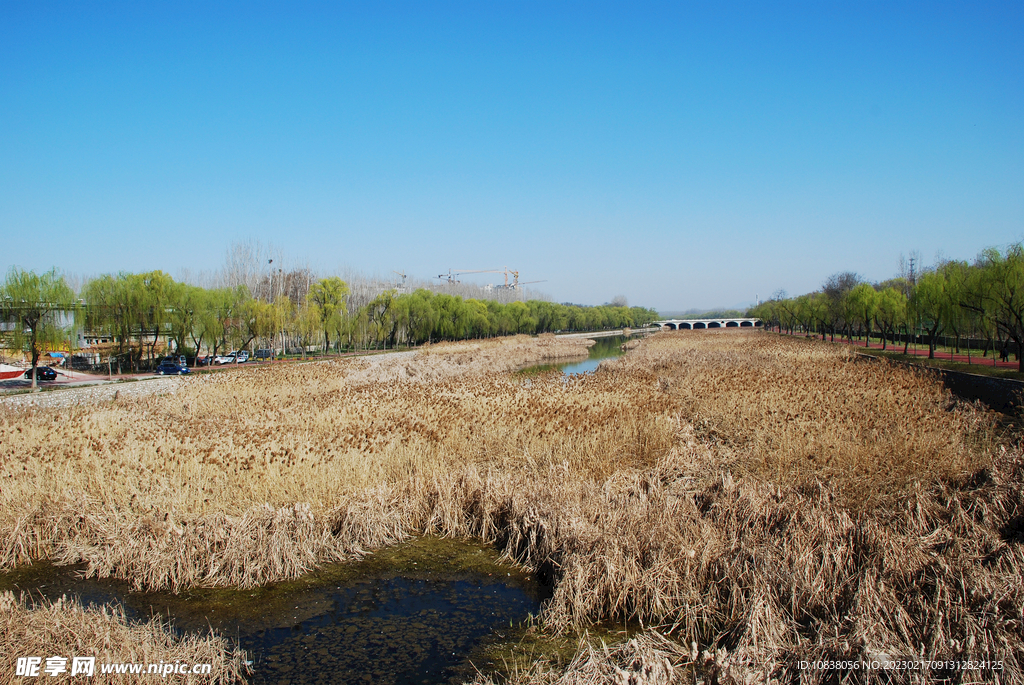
[
  {"x": 754, "y": 502},
  {"x": 65, "y": 627}
]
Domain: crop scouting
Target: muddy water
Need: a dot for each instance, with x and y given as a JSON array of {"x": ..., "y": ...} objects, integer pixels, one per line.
[{"x": 428, "y": 611}]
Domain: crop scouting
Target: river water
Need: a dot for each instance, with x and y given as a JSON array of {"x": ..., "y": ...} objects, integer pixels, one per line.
[
  {"x": 603, "y": 348},
  {"x": 424, "y": 612}
]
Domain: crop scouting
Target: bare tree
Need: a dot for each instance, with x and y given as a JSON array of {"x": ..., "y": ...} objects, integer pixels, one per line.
[
  {"x": 251, "y": 263},
  {"x": 836, "y": 288}
]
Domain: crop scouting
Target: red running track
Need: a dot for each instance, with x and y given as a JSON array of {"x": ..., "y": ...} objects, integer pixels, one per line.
[{"x": 944, "y": 356}]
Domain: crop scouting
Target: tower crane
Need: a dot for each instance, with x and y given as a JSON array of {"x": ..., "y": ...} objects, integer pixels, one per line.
[
  {"x": 400, "y": 288},
  {"x": 452, "y": 274},
  {"x": 517, "y": 284},
  {"x": 514, "y": 285}
]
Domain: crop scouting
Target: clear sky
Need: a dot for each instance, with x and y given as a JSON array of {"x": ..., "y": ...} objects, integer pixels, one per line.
[{"x": 684, "y": 155}]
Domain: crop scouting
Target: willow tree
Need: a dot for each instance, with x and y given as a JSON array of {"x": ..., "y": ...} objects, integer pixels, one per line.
[
  {"x": 890, "y": 313},
  {"x": 187, "y": 304},
  {"x": 226, "y": 309},
  {"x": 36, "y": 305},
  {"x": 863, "y": 303},
  {"x": 258, "y": 320},
  {"x": 156, "y": 295},
  {"x": 382, "y": 314},
  {"x": 113, "y": 304},
  {"x": 327, "y": 298},
  {"x": 1001, "y": 280},
  {"x": 930, "y": 300},
  {"x": 416, "y": 316},
  {"x": 960, "y": 320},
  {"x": 803, "y": 306},
  {"x": 132, "y": 306},
  {"x": 306, "y": 327}
]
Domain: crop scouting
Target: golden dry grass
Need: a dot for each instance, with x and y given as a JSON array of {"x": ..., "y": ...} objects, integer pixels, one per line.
[
  {"x": 800, "y": 413},
  {"x": 65, "y": 628},
  {"x": 769, "y": 500}
]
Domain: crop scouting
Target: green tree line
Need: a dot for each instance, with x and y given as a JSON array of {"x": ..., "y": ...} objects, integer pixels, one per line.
[
  {"x": 143, "y": 314},
  {"x": 982, "y": 299}
]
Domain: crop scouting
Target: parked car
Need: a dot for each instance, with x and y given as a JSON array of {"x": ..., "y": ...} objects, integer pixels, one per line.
[
  {"x": 43, "y": 373},
  {"x": 225, "y": 359},
  {"x": 169, "y": 367},
  {"x": 243, "y": 356}
]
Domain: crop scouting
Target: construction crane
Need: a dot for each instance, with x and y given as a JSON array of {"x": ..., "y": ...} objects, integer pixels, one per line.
[
  {"x": 515, "y": 279},
  {"x": 452, "y": 273},
  {"x": 401, "y": 288},
  {"x": 514, "y": 285},
  {"x": 506, "y": 271},
  {"x": 517, "y": 284}
]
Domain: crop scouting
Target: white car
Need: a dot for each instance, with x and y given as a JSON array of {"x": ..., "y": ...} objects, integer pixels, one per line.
[{"x": 224, "y": 359}]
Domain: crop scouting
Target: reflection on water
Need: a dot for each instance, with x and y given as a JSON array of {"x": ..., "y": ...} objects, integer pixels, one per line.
[
  {"x": 395, "y": 630},
  {"x": 421, "y": 612},
  {"x": 603, "y": 348}
]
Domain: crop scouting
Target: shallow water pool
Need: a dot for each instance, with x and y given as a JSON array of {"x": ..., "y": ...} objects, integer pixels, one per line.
[{"x": 422, "y": 612}]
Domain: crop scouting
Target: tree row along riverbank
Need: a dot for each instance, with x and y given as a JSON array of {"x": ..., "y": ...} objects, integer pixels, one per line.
[
  {"x": 976, "y": 305},
  {"x": 129, "y": 321},
  {"x": 754, "y": 501}
]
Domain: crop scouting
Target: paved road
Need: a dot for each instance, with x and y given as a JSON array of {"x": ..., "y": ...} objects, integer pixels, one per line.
[
  {"x": 88, "y": 393},
  {"x": 67, "y": 379}
]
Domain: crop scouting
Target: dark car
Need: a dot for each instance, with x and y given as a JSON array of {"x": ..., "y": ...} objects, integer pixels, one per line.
[
  {"x": 170, "y": 368},
  {"x": 43, "y": 373}
]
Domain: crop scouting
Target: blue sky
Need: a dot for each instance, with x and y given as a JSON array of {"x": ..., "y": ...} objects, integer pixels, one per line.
[{"x": 683, "y": 155}]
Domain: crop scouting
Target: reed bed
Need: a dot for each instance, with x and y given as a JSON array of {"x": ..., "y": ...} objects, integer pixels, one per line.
[
  {"x": 754, "y": 501},
  {"x": 803, "y": 413}
]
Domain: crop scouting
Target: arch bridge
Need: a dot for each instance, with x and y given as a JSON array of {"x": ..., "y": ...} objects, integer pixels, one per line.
[{"x": 691, "y": 324}]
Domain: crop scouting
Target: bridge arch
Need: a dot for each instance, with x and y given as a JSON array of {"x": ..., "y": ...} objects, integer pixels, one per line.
[{"x": 690, "y": 324}]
